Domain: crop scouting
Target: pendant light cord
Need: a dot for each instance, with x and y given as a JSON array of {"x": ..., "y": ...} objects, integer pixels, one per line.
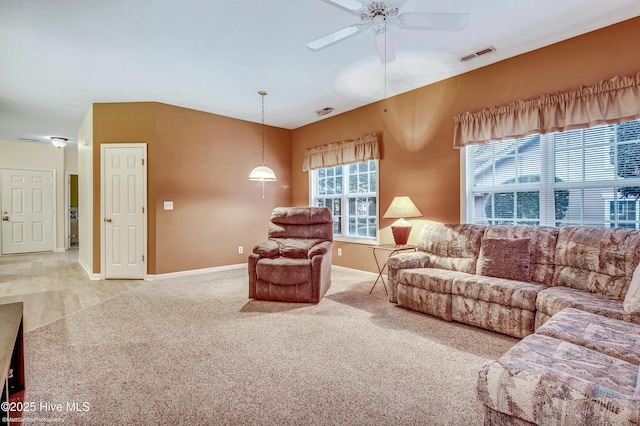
[
  {"x": 262, "y": 93},
  {"x": 385, "y": 112}
]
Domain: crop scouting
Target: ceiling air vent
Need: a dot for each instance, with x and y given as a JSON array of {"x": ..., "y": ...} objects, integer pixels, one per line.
[
  {"x": 28, "y": 140},
  {"x": 478, "y": 53},
  {"x": 324, "y": 111}
]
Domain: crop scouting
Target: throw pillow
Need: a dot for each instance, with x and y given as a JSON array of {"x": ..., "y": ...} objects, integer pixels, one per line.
[
  {"x": 631, "y": 302},
  {"x": 505, "y": 258}
]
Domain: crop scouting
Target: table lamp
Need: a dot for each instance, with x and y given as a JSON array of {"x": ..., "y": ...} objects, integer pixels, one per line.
[{"x": 400, "y": 208}]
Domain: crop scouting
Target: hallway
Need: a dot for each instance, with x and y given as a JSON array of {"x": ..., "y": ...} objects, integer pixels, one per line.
[{"x": 53, "y": 285}]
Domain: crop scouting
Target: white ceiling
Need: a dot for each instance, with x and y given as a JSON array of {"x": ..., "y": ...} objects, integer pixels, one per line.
[{"x": 57, "y": 57}]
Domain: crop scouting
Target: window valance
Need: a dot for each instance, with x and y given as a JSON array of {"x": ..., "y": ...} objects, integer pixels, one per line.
[
  {"x": 345, "y": 152},
  {"x": 608, "y": 102}
]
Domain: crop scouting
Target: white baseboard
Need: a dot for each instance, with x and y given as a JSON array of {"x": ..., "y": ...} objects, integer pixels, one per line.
[
  {"x": 344, "y": 268},
  {"x": 92, "y": 276},
  {"x": 97, "y": 277},
  {"x": 195, "y": 272},
  {"x": 60, "y": 250}
]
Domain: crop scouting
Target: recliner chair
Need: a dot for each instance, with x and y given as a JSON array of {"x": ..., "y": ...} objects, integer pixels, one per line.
[{"x": 294, "y": 264}]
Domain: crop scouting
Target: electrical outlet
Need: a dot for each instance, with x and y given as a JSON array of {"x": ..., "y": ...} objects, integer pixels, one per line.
[
  {"x": 339, "y": 252},
  {"x": 240, "y": 250}
]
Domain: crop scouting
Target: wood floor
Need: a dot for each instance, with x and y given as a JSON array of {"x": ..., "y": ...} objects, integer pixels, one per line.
[{"x": 53, "y": 285}]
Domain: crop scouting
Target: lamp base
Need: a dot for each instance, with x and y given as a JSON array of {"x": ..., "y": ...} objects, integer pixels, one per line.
[{"x": 401, "y": 230}]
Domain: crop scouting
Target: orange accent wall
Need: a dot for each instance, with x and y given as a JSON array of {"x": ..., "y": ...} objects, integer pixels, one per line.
[
  {"x": 417, "y": 155},
  {"x": 201, "y": 162}
]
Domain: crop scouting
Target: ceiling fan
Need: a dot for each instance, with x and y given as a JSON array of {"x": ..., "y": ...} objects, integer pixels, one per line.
[{"x": 379, "y": 14}]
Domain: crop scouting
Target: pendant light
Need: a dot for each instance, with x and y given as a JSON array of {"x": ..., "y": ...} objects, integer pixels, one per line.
[{"x": 262, "y": 173}]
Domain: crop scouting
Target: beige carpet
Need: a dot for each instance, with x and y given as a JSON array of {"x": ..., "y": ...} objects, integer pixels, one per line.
[{"x": 195, "y": 350}]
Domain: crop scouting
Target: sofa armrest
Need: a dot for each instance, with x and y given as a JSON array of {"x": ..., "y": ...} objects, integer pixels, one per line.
[
  {"x": 321, "y": 248},
  {"x": 416, "y": 259},
  {"x": 269, "y": 248},
  {"x": 402, "y": 261}
]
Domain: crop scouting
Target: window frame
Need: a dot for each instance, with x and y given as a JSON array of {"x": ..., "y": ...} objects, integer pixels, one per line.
[
  {"x": 344, "y": 197},
  {"x": 548, "y": 184}
]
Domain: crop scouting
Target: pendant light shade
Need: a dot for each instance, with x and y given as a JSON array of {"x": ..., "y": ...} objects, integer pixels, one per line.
[{"x": 262, "y": 173}]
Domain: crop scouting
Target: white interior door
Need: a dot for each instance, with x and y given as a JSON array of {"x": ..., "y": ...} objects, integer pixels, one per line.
[
  {"x": 124, "y": 220},
  {"x": 27, "y": 211}
]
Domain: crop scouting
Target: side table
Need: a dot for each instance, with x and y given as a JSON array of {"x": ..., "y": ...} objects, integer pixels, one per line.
[
  {"x": 11, "y": 354},
  {"x": 391, "y": 249}
]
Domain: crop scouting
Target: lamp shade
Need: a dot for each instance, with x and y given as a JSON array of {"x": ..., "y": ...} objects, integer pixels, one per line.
[
  {"x": 402, "y": 207},
  {"x": 262, "y": 173}
]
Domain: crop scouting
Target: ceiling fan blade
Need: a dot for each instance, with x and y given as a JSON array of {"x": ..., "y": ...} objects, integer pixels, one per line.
[
  {"x": 334, "y": 37},
  {"x": 390, "y": 53},
  {"x": 352, "y": 6},
  {"x": 433, "y": 21}
]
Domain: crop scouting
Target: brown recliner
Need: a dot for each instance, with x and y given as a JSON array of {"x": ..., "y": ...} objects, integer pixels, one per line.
[{"x": 294, "y": 264}]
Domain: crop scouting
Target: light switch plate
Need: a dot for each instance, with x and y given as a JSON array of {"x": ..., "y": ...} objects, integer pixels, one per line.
[{"x": 168, "y": 205}]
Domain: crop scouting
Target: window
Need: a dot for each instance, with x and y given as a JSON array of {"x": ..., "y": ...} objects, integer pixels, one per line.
[
  {"x": 622, "y": 214},
  {"x": 351, "y": 193},
  {"x": 578, "y": 177}
]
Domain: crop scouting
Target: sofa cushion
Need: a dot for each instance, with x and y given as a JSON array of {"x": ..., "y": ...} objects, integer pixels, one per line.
[
  {"x": 293, "y": 247},
  {"x": 597, "y": 260},
  {"x": 453, "y": 247},
  {"x": 542, "y": 249},
  {"x": 554, "y": 299},
  {"x": 284, "y": 270},
  {"x": 517, "y": 294},
  {"x": 631, "y": 302},
  {"x": 505, "y": 258},
  {"x": 548, "y": 381},
  {"x": 432, "y": 279},
  {"x": 296, "y": 248},
  {"x": 301, "y": 215},
  {"x": 609, "y": 336}
]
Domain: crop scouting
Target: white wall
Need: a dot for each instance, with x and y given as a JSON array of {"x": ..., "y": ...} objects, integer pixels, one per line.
[
  {"x": 71, "y": 158},
  {"x": 39, "y": 156},
  {"x": 85, "y": 191}
]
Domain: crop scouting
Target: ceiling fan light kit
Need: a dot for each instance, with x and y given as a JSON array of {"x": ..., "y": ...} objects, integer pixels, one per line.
[{"x": 378, "y": 14}]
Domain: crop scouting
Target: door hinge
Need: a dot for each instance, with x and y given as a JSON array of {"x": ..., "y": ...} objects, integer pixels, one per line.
[
  {"x": 143, "y": 257},
  {"x": 143, "y": 210},
  {"x": 143, "y": 161}
]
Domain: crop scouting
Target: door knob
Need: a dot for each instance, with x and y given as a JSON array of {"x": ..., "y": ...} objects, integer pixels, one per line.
[
  {"x": 5, "y": 218},
  {"x": 107, "y": 219}
]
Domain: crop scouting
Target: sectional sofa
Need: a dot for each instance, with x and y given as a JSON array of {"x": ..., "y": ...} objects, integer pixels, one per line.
[
  {"x": 572, "y": 294},
  {"x": 512, "y": 279},
  {"x": 579, "y": 368}
]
